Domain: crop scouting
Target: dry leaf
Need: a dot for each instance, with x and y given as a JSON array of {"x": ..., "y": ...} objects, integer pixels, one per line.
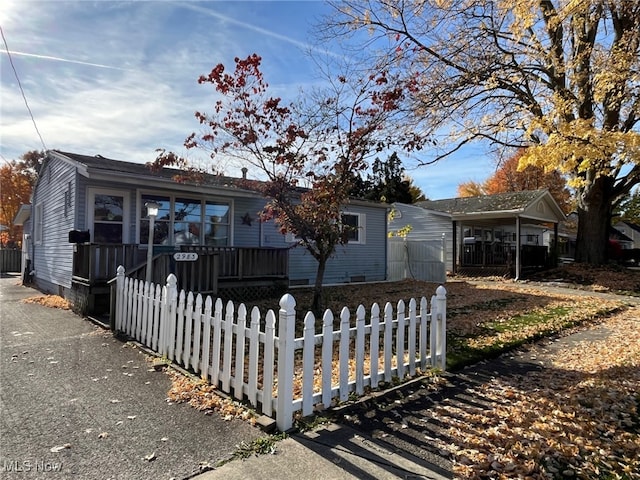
[
  {"x": 59, "y": 448},
  {"x": 150, "y": 458}
]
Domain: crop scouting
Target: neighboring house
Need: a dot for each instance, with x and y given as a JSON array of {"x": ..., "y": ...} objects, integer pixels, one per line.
[
  {"x": 23, "y": 219},
  {"x": 631, "y": 233},
  {"x": 499, "y": 234},
  {"x": 88, "y": 215}
]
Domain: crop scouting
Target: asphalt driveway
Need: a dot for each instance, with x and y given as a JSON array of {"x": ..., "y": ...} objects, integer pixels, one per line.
[{"x": 77, "y": 403}]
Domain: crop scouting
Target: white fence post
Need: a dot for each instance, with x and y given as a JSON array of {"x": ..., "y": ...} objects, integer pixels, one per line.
[
  {"x": 168, "y": 315},
  {"x": 441, "y": 299},
  {"x": 286, "y": 338},
  {"x": 308, "y": 358},
  {"x": 158, "y": 320},
  {"x": 119, "y": 297},
  {"x": 423, "y": 333},
  {"x": 343, "y": 355}
]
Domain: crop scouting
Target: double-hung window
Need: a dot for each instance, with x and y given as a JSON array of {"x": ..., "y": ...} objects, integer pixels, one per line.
[
  {"x": 108, "y": 215},
  {"x": 355, "y": 223},
  {"x": 216, "y": 223}
]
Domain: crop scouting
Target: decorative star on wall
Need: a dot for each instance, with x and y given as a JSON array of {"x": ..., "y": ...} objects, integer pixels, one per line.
[{"x": 246, "y": 219}]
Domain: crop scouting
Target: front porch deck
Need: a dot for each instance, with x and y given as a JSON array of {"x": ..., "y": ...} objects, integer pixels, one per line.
[{"x": 95, "y": 265}]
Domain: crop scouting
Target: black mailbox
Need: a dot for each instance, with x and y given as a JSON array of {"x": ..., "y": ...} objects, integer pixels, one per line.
[{"x": 79, "y": 236}]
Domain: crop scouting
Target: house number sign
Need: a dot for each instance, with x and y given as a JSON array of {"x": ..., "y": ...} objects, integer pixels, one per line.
[{"x": 185, "y": 256}]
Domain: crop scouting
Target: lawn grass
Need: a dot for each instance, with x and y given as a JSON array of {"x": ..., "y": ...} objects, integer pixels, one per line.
[{"x": 494, "y": 338}]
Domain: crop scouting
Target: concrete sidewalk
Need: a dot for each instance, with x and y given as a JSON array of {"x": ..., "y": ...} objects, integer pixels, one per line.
[
  {"x": 78, "y": 403},
  {"x": 332, "y": 452}
]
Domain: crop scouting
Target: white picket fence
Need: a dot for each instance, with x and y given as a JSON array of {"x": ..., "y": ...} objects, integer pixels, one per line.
[{"x": 281, "y": 374}]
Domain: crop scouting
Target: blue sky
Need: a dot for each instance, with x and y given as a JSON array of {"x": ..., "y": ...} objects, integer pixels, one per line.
[{"x": 119, "y": 78}]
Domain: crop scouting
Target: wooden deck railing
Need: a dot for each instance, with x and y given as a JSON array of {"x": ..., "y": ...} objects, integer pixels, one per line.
[{"x": 97, "y": 263}]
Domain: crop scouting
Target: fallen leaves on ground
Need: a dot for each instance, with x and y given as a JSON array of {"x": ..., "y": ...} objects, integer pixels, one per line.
[
  {"x": 609, "y": 278},
  {"x": 579, "y": 417},
  {"x": 51, "y": 301},
  {"x": 205, "y": 397}
]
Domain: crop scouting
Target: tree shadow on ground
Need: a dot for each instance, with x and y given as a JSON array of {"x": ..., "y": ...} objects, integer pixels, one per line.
[{"x": 511, "y": 416}]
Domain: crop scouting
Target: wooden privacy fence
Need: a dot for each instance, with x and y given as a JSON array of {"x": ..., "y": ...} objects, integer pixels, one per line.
[
  {"x": 279, "y": 367},
  {"x": 10, "y": 260}
]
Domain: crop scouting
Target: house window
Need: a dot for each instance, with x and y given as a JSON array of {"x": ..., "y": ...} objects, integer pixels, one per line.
[
  {"x": 162, "y": 224},
  {"x": 108, "y": 216},
  {"x": 355, "y": 223},
  {"x": 532, "y": 239},
  {"x": 216, "y": 223},
  {"x": 186, "y": 221},
  {"x": 39, "y": 215}
]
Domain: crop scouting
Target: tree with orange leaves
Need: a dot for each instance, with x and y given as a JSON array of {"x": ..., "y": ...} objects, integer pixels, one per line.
[
  {"x": 15, "y": 190},
  {"x": 471, "y": 189},
  {"x": 511, "y": 177}
]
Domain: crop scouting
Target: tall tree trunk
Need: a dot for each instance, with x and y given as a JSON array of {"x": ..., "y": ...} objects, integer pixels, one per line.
[
  {"x": 317, "y": 306},
  {"x": 594, "y": 218}
]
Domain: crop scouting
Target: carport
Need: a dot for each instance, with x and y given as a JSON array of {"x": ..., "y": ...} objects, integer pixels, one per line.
[{"x": 496, "y": 234}]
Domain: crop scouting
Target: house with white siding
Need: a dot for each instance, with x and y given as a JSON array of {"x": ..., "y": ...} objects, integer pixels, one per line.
[
  {"x": 88, "y": 216},
  {"x": 498, "y": 234}
]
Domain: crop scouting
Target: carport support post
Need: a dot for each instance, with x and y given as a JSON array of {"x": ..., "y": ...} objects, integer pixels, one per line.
[
  {"x": 286, "y": 338},
  {"x": 454, "y": 241},
  {"x": 518, "y": 249},
  {"x": 443, "y": 257},
  {"x": 555, "y": 252}
]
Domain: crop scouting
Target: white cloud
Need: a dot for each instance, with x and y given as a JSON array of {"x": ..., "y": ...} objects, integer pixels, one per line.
[{"x": 120, "y": 78}]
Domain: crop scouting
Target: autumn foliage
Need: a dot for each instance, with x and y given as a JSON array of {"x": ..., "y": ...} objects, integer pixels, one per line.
[
  {"x": 15, "y": 190},
  {"x": 512, "y": 176},
  {"x": 306, "y": 153},
  {"x": 558, "y": 77}
]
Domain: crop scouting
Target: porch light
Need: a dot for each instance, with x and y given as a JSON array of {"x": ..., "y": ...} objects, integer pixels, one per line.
[
  {"x": 152, "y": 212},
  {"x": 152, "y": 209}
]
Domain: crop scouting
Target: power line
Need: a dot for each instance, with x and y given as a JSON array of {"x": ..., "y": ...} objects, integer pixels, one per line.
[{"x": 24, "y": 97}]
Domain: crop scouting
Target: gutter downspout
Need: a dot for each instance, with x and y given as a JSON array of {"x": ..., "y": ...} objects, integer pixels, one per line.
[{"x": 386, "y": 242}]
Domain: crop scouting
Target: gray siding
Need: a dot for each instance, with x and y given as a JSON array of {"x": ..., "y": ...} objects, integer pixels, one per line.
[
  {"x": 426, "y": 225},
  {"x": 53, "y": 257},
  {"x": 245, "y": 235},
  {"x": 351, "y": 262}
]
